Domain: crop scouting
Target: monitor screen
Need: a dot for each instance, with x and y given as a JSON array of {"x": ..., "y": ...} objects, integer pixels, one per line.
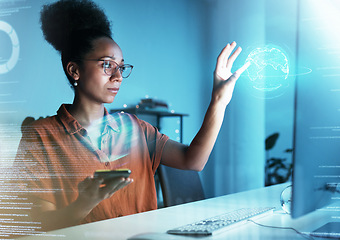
[{"x": 316, "y": 157}]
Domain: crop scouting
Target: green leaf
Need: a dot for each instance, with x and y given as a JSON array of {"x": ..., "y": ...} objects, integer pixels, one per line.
[{"x": 271, "y": 140}]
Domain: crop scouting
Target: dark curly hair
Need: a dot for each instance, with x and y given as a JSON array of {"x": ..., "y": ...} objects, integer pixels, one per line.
[{"x": 71, "y": 26}]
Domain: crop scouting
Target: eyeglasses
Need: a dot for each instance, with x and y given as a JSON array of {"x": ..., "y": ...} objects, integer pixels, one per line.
[{"x": 111, "y": 67}]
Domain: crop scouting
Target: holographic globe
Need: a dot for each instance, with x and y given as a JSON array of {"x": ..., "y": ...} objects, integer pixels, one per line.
[
  {"x": 271, "y": 72},
  {"x": 269, "y": 69}
]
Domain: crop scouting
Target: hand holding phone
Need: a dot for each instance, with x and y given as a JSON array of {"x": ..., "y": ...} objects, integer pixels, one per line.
[
  {"x": 92, "y": 190},
  {"x": 108, "y": 175}
]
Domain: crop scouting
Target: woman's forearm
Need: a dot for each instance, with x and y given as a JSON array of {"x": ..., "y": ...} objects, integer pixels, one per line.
[
  {"x": 201, "y": 146},
  {"x": 91, "y": 193},
  {"x": 69, "y": 216}
]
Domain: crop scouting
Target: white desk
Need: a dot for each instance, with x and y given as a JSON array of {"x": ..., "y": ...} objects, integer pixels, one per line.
[{"x": 159, "y": 221}]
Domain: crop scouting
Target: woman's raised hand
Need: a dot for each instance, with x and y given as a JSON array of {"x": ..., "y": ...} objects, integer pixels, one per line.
[{"x": 224, "y": 79}]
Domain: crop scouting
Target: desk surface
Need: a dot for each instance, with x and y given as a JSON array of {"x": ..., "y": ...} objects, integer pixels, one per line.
[{"x": 157, "y": 222}]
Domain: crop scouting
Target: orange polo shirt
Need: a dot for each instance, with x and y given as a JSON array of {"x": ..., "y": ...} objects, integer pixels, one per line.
[{"x": 55, "y": 154}]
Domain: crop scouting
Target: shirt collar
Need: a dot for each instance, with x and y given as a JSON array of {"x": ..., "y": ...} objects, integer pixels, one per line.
[
  {"x": 72, "y": 126},
  {"x": 110, "y": 121}
]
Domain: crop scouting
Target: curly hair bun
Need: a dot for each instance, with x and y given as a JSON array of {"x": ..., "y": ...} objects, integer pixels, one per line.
[{"x": 62, "y": 19}]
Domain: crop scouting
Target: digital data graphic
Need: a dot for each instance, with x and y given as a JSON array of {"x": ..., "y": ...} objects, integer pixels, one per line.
[{"x": 7, "y": 65}]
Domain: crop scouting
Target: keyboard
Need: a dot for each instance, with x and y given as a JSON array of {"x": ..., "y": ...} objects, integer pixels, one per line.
[{"x": 221, "y": 223}]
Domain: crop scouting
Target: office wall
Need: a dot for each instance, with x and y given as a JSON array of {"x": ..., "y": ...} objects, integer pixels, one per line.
[{"x": 237, "y": 162}]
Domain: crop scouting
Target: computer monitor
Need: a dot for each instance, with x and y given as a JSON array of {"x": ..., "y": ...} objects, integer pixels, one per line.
[{"x": 316, "y": 155}]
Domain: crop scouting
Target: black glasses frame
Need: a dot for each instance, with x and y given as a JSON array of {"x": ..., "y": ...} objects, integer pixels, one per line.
[{"x": 120, "y": 67}]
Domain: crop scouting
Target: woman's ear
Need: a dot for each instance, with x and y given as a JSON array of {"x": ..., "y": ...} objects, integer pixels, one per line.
[{"x": 73, "y": 70}]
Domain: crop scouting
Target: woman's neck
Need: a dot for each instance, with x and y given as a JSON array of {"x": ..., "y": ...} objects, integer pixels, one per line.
[{"x": 86, "y": 113}]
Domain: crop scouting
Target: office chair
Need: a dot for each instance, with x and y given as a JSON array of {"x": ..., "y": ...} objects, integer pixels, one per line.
[{"x": 179, "y": 186}]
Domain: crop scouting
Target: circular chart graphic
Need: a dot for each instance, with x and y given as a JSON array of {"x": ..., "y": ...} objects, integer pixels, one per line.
[
  {"x": 9, "y": 64},
  {"x": 270, "y": 72}
]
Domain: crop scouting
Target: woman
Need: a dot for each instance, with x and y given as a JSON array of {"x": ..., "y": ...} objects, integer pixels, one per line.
[{"x": 59, "y": 154}]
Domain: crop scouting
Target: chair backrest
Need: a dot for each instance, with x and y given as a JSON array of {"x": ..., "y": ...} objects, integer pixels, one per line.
[{"x": 179, "y": 186}]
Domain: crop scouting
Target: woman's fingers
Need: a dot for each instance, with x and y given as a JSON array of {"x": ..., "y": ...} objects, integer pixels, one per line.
[
  {"x": 233, "y": 57},
  {"x": 89, "y": 184},
  {"x": 114, "y": 186},
  {"x": 222, "y": 59},
  {"x": 225, "y": 62},
  {"x": 121, "y": 185},
  {"x": 239, "y": 71}
]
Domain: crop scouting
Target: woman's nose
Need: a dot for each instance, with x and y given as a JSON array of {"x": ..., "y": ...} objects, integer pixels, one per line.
[{"x": 117, "y": 76}]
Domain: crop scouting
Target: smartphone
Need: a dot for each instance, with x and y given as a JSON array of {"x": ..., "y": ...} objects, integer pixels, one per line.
[{"x": 107, "y": 175}]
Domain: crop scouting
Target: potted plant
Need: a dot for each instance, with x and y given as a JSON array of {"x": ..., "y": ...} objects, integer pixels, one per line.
[{"x": 277, "y": 170}]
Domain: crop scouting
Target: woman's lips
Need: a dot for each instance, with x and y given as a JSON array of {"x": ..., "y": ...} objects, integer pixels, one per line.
[{"x": 113, "y": 90}]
